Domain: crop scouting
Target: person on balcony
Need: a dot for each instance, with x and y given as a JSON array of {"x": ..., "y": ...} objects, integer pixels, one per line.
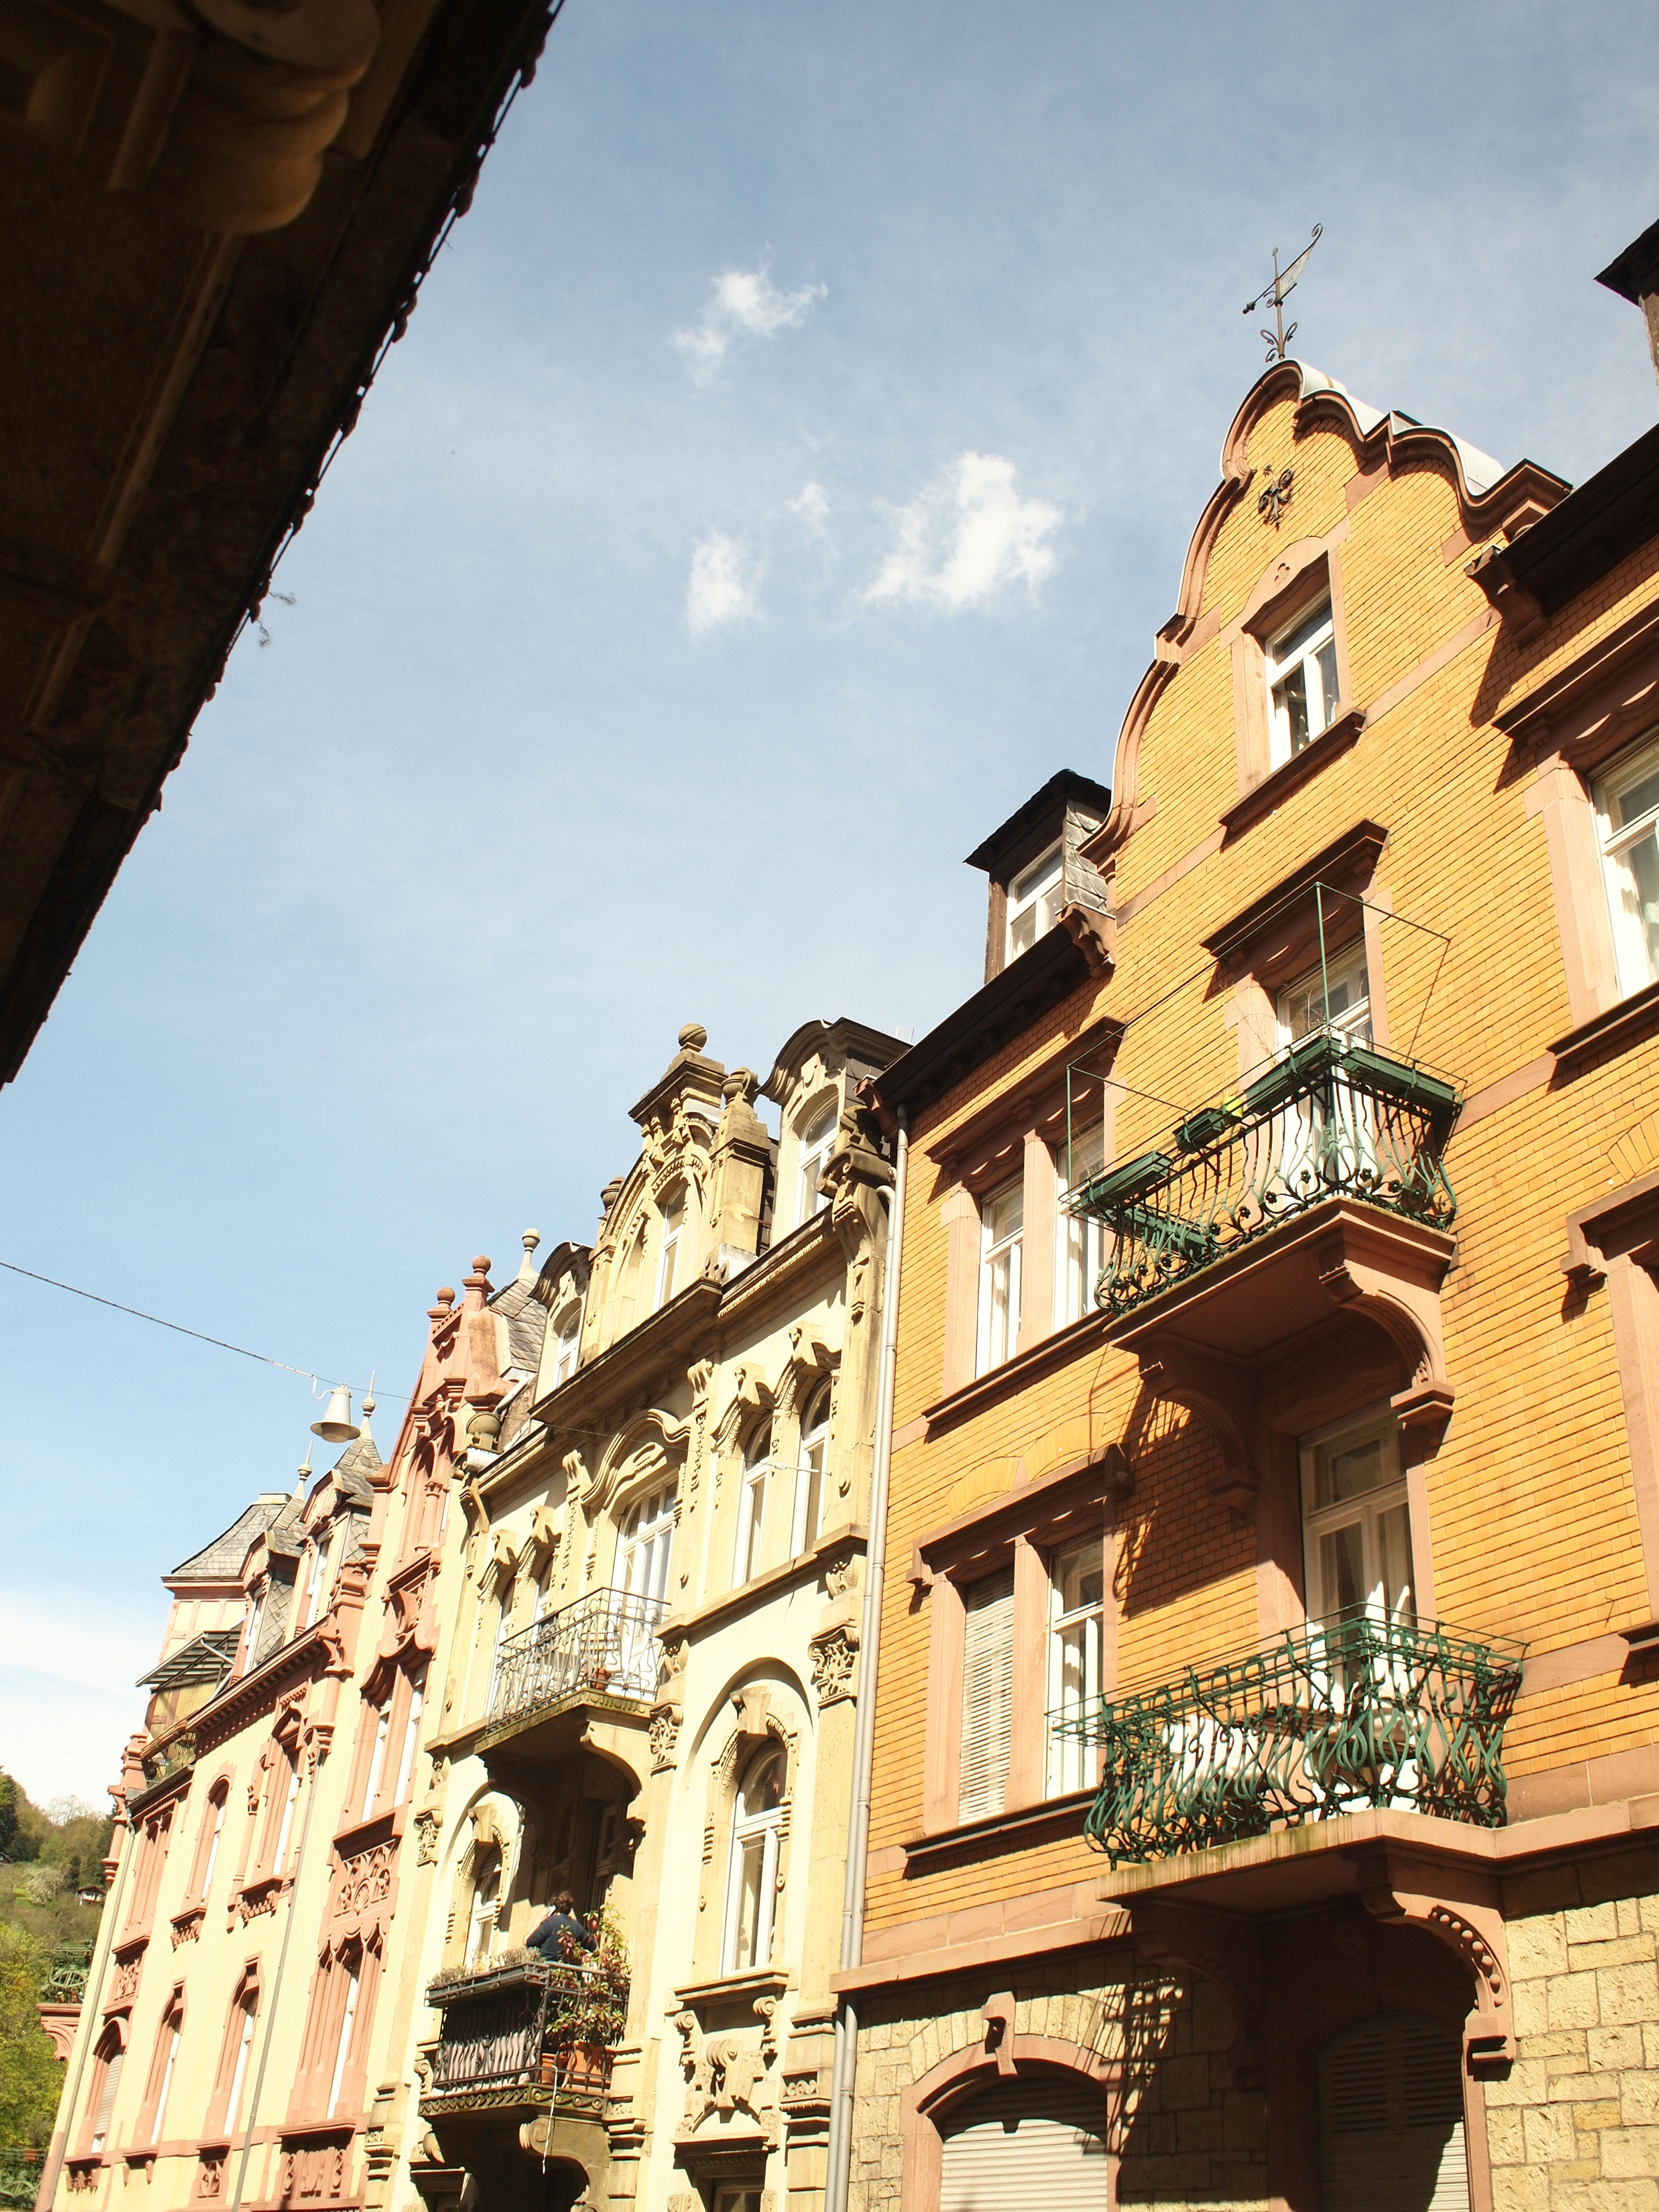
[{"x": 560, "y": 1930}]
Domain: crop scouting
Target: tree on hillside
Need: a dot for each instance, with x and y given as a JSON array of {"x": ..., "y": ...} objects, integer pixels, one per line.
[
  {"x": 31, "y": 2078},
  {"x": 8, "y": 1814}
]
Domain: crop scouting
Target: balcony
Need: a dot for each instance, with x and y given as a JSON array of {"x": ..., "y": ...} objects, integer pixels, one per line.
[
  {"x": 601, "y": 1651},
  {"x": 1334, "y": 1118},
  {"x": 1350, "y": 1715},
  {"x": 526, "y": 2031}
]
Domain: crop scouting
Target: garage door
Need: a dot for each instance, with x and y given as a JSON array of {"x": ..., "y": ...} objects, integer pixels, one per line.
[{"x": 1034, "y": 2145}]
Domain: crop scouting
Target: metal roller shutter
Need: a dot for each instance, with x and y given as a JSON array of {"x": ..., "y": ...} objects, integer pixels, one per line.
[
  {"x": 1035, "y": 2144},
  {"x": 1391, "y": 2118}
]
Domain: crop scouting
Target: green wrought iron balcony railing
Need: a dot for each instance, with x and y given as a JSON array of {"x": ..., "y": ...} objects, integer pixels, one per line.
[
  {"x": 1333, "y": 1117},
  {"x": 1352, "y": 1714}
]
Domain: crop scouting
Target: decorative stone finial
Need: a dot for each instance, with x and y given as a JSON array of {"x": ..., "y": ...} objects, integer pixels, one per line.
[
  {"x": 481, "y": 1263},
  {"x": 742, "y": 1083},
  {"x": 693, "y": 1038},
  {"x": 445, "y": 1297},
  {"x": 531, "y": 1239}
]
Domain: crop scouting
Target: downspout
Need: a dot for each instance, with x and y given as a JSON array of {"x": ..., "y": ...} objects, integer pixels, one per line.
[
  {"x": 89, "y": 1997},
  {"x": 311, "y": 1797},
  {"x": 864, "y": 1734}
]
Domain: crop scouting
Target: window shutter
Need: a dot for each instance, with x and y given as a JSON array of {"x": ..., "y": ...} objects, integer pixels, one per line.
[
  {"x": 987, "y": 1671},
  {"x": 1391, "y": 2118},
  {"x": 1037, "y": 2141}
]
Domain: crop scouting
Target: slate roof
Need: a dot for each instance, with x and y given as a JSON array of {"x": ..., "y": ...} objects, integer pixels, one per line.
[
  {"x": 526, "y": 1322},
  {"x": 220, "y": 1561}
]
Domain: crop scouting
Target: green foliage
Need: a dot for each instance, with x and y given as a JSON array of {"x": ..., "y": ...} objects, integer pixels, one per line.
[
  {"x": 30, "y": 2075},
  {"x": 591, "y": 2008}
]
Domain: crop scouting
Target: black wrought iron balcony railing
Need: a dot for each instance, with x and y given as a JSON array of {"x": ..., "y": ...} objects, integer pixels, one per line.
[
  {"x": 1333, "y": 1117},
  {"x": 527, "y": 2023},
  {"x": 1347, "y": 1714},
  {"x": 605, "y": 1642}
]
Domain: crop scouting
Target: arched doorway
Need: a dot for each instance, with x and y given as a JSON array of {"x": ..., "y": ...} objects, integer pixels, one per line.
[
  {"x": 1037, "y": 2139},
  {"x": 1391, "y": 2118}
]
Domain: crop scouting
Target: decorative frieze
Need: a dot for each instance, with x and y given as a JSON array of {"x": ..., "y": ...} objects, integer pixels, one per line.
[
  {"x": 834, "y": 1663},
  {"x": 364, "y": 1880}
]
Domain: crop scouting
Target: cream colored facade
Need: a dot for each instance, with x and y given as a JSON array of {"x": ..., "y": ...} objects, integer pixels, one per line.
[{"x": 649, "y": 1688}]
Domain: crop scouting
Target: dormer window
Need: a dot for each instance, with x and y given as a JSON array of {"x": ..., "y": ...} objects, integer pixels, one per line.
[
  {"x": 1302, "y": 683},
  {"x": 567, "y": 1343},
  {"x": 668, "y": 1253},
  {"x": 1035, "y": 899}
]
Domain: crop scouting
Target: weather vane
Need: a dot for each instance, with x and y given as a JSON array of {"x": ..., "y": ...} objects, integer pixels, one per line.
[{"x": 1278, "y": 291}]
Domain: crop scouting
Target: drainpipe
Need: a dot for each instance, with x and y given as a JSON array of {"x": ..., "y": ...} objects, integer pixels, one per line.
[
  {"x": 89, "y": 1999},
  {"x": 311, "y": 1797},
  {"x": 864, "y": 1734}
]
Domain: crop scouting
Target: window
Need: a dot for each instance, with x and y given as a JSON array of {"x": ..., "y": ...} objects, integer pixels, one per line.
[
  {"x": 251, "y": 1645},
  {"x": 1627, "y": 817},
  {"x": 486, "y": 1905},
  {"x": 376, "y": 1760},
  {"x": 111, "y": 2056},
  {"x": 567, "y": 1342},
  {"x": 647, "y": 1537},
  {"x": 668, "y": 1253},
  {"x": 810, "y": 1471},
  {"x": 1002, "y": 1223},
  {"x": 411, "y": 1740},
  {"x": 1081, "y": 1243},
  {"x": 1033, "y": 902},
  {"x": 737, "y": 2197},
  {"x": 1302, "y": 681},
  {"x": 1076, "y": 1644},
  {"x": 752, "y": 1885},
  {"x": 243, "y": 2015},
  {"x": 1391, "y": 2117},
  {"x": 285, "y": 1829},
  {"x": 207, "y": 1850},
  {"x": 987, "y": 1694},
  {"x": 1357, "y": 1525},
  {"x": 817, "y": 1141},
  {"x": 1336, "y": 995},
  {"x": 152, "y": 2122},
  {"x": 352, "y": 1963},
  {"x": 751, "y": 1506}
]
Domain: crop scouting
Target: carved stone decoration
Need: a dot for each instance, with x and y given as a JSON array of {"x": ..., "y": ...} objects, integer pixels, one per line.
[
  {"x": 665, "y": 1721},
  {"x": 124, "y": 1988},
  {"x": 834, "y": 1663},
  {"x": 766, "y": 2011},
  {"x": 210, "y": 2179},
  {"x": 841, "y": 1573},
  {"x": 1464, "y": 1911},
  {"x": 429, "y": 1827},
  {"x": 365, "y": 1881},
  {"x": 732, "y": 2075}
]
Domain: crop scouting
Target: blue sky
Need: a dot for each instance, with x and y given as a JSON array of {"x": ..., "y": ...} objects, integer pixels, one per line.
[{"x": 790, "y": 461}]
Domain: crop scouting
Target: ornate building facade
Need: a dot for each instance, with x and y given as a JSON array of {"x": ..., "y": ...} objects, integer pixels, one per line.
[{"x": 1279, "y": 1287}]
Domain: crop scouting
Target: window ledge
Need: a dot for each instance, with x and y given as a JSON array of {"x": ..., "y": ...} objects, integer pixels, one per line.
[
  {"x": 1000, "y": 1832},
  {"x": 1339, "y": 737},
  {"x": 847, "y": 1536},
  {"x": 770, "y": 1982},
  {"x": 1619, "y": 1026},
  {"x": 1013, "y": 1374},
  {"x": 383, "y": 1827}
]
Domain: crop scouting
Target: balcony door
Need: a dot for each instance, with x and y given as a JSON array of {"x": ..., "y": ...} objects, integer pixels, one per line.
[
  {"x": 1328, "y": 1141},
  {"x": 1357, "y": 1524},
  {"x": 647, "y": 1538}
]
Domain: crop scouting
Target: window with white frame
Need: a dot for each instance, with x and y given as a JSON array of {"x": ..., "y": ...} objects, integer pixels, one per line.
[
  {"x": 1076, "y": 1647},
  {"x": 207, "y": 1849},
  {"x": 112, "y": 2056},
  {"x": 1357, "y": 1524},
  {"x": 166, "y": 2059},
  {"x": 411, "y": 1738},
  {"x": 1002, "y": 1225},
  {"x": 810, "y": 1471},
  {"x": 486, "y": 1907},
  {"x": 503, "y": 1630},
  {"x": 752, "y": 1885},
  {"x": 1302, "y": 681},
  {"x": 1081, "y": 1243},
  {"x": 251, "y": 1640},
  {"x": 817, "y": 1141},
  {"x": 646, "y": 1539},
  {"x": 289, "y": 1784},
  {"x": 1035, "y": 898},
  {"x": 752, "y": 1499},
  {"x": 351, "y": 1964},
  {"x": 1336, "y": 995},
  {"x": 242, "y": 2018},
  {"x": 567, "y": 1343},
  {"x": 1627, "y": 817},
  {"x": 668, "y": 1253}
]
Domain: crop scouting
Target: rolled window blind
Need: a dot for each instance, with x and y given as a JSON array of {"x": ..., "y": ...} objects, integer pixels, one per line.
[{"x": 988, "y": 1668}]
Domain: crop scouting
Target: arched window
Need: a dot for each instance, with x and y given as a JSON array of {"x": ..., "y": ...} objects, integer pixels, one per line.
[
  {"x": 153, "y": 2120},
  {"x": 817, "y": 1141},
  {"x": 285, "y": 1782},
  {"x": 1038, "y": 2139},
  {"x": 106, "y": 2081},
  {"x": 752, "y": 1885},
  {"x": 486, "y": 1906},
  {"x": 751, "y": 1506},
  {"x": 567, "y": 1343},
  {"x": 1391, "y": 2118},
  {"x": 350, "y": 1965},
  {"x": 674, "y": 1220},
  {"x": 238, "y": 2050},
  {"x": 810, "y": 1470}
]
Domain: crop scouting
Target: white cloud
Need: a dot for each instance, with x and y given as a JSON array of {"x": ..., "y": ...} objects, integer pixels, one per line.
[
  {"x": 745, "y": 303},
  {"x": 722, "y": 586},
  {"x": 968, "y": 535},
  {"x": 812, "y": 504},
  {"x": 66, "y": 1691}
]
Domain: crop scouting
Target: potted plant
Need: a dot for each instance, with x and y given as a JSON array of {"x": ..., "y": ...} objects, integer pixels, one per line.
[{"x": 586, "y": 2009}]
